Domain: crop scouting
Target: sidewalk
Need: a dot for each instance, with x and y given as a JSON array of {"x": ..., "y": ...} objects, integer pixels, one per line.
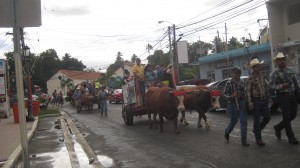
[{"x": 10, "y": 141}]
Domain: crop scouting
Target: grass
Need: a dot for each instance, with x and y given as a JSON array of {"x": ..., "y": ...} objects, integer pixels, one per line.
[{"x": 49, "y": 111}]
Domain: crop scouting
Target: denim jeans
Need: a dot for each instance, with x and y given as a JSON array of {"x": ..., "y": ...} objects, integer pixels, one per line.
[
  {"x": 236, "y": 114},
  {"x": 103, "y": 106},
  {"x": 260, "y": 109}
]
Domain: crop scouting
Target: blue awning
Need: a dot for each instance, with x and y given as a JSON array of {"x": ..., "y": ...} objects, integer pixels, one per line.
[{"x": 233, "y": 53}]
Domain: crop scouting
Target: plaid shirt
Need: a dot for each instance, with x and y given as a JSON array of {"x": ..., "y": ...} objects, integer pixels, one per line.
[
  {"x": 257, "y": 87},
  {"x": 232, "y": 85},
  {"x": 278, "y": 77}
]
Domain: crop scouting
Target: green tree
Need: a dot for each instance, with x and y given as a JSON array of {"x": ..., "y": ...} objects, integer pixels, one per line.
[
  {"x": 104, "y": 79},
  {"x": 113, "y": 67},
  {"x": 159, "y": 58},
  {"x": 69, "y": 63},
  {"x": 234, "y": 44},
  {"x": 133, "y": 58},
  {"x": 66, "y": 82}
]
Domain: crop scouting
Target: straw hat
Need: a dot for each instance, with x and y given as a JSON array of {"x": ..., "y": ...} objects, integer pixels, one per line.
[
  {"x": 278, "y": 56},
  {"x": 255, "y": 62},
  {"x": 169, "y": 66}
]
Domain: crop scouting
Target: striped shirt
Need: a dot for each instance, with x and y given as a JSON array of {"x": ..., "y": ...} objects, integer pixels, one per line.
[
  {"x": 233, "y": 85},
  {"x": 278, "y": 77},
  {"x": 257, "y": 87}
]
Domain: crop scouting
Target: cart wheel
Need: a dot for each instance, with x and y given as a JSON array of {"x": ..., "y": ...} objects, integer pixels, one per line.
[{"x": 127, "y": 116}]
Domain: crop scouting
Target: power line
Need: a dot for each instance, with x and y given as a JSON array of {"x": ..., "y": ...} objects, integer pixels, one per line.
[{"x": 220, "y": 21}]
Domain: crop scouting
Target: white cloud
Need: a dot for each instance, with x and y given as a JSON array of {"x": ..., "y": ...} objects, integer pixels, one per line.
[{"x": 94, "y": 31}]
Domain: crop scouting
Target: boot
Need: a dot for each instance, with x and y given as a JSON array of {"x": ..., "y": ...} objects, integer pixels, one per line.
[
  {"x": 101, "y": 113},
  {"x": 105, "y": 114}
]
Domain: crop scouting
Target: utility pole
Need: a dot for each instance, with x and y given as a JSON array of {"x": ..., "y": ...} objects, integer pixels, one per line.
[
  {"x": 26, "y": 62},
  {"x": 170, "y": 45},
  {"x": 19, "y": 83},
  {"x": 226, "y": 46},
  {"x": 175, "y": 58}
]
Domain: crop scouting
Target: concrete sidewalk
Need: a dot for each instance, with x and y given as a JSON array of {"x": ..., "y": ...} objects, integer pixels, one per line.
[{"x": 10, "y": 140}]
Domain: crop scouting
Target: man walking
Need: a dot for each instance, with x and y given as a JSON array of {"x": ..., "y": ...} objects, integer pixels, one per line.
[
  {"x": 235, "y": 93},
  {"x": 283, "y": 80},
  {"x": 257, "y": 96},
  {"x": 103, "y": 101},
  {"x": 77, "y": 97}
]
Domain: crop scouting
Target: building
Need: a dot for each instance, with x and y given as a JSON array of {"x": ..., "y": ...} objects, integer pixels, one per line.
[
  {"x": 77, "y": 76},
  {"x": 119, "y": 72},
  {"x": 284, "y": 21},
  {"x": 217, "y": 67}
]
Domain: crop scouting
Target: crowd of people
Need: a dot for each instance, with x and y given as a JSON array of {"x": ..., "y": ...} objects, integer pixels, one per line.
[{"x": 254, "y": 96}]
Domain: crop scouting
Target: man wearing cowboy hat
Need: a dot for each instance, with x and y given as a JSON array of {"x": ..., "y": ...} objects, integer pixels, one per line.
[
  {"x": 257, "y": 96},
  {"x": 283, "y": 80}
]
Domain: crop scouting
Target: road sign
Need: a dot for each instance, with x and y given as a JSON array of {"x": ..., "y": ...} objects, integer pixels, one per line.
[{"x": 29, "y": 13}]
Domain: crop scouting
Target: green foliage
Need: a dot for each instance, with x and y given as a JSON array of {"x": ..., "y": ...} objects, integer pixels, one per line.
[
  {"x": 113, "y": 67},
  {"x": 44, "y": 66},
  {"x": 159, "y": 58},
  {"x": 69, "y": 63},
  {"x": 234, "y": 44},
  {"x": 67, "y": 82},
  {"x": 49, "y": 111},
  {"x": 186, "y": 72}
]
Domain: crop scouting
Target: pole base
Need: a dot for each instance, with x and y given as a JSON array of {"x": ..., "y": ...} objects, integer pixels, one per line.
[{"x": 29, "y": 119}]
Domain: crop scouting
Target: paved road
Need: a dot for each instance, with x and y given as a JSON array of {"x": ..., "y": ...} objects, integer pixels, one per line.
[
  {"x": 117, "y": 145},
  {"x": 137, "y": 146}
]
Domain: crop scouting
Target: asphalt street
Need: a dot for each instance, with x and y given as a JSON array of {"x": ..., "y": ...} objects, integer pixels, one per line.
[{"x": 117, "y": 145}]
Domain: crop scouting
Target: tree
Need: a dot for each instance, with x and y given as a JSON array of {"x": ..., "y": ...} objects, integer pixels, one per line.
[
  {"x": 133, "y": 58},
  {"x": 66, "y": 82},
  {"x": 149, "y": 48},
  {"x": 69, "y": 63},
  {"x": 103, "y": 79},
  {"x": 113, "y": 67},
  {"x": 234, "y": 43},
  {"x": 159, "y": 58}
]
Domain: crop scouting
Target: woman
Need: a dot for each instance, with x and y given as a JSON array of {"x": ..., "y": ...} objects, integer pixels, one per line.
[
  {"x": 149, "y": 76},
  {"x": 167, "y": 78}
]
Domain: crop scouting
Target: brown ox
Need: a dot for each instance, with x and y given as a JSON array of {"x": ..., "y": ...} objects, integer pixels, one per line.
[
  {"x": 199, "y": 98},
  {"x": 165, "y": 102}
]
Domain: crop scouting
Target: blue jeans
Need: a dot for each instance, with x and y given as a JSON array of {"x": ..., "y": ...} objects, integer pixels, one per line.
[
  {"x": 260, "y": 109},
  {"x": 235, "y": 114},
  {"x": 103, "y": 105}
]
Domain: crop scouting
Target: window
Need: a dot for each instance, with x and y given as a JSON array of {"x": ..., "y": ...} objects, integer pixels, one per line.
[
  {"x": 226, "y": 73},
  {"x": 293, "y": 13}
]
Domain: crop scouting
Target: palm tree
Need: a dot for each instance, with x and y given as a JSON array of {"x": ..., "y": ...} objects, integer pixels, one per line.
[
  {"x": 104, "y": 79},
  {"x": 66, "y": 82}
]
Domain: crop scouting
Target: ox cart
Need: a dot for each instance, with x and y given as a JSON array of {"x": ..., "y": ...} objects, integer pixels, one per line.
[{"x": 132, "y": 104}]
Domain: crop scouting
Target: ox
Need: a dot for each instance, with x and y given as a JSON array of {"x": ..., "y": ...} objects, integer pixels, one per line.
[
  {"x": 166, "y": 103},
  {"x": 199, "y": 98}
]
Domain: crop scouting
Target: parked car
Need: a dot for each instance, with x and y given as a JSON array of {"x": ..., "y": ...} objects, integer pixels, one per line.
[{"x": 116, "y": 96}]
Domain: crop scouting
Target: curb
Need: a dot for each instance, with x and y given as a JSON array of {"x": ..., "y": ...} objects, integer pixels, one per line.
[{"x": 12, "y": 159}]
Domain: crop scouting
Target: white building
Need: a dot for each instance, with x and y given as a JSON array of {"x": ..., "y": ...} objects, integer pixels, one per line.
[{"x": 284, "y": 20}]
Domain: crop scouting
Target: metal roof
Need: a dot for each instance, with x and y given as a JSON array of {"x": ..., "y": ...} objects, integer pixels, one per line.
[{"x": 233, "y": 53}]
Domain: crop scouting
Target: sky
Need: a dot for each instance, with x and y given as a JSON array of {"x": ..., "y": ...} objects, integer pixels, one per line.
[{"x": 94, "y": 31}]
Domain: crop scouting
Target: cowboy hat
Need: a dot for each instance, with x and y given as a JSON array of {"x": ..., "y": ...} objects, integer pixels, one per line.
[
  {"x": 255, "y": 62},
  {"x": 278, "y": 56}
]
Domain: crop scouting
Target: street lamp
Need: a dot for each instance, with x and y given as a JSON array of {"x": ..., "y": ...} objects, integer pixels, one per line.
[{"x": 26, "y": 52}]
